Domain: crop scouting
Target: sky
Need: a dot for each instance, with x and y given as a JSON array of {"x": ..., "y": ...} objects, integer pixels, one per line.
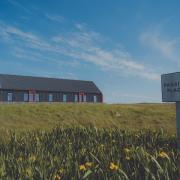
[{"x": 122, "y": 45}]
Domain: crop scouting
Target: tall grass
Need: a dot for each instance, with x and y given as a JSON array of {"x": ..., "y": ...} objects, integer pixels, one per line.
[
  {"x": 45, "y": 116},
  {"x": 89, "y": 153}
]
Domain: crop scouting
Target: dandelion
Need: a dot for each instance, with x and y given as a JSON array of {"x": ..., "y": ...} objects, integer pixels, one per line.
[
  {"x": 126, "y": 150},
  {"x": 82, "y": 167},
  {"x": 61, "y": 171},
  {"x": 113, "y": 166},
  {"x": 163, "y": 155},
  {"x": 88, "y": 164},
  {"x": 57, "y": 177}
]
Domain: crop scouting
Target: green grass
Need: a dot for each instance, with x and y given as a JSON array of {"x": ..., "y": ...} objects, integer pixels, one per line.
[
  {"x": 90, "y": 153},
  {"x": 46, "y": 116},
  {"x": 90, "y": 141}
]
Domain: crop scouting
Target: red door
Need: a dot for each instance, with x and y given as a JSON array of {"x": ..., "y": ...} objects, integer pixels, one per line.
[
  {"x": 81, "y": 97},
  {"x": 32, "y": 94}
]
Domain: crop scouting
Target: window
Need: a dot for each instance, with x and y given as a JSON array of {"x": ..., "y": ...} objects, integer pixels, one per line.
[
  {"x": 25, "y": 97},
  {"x": 9, "y": 97},
  {"x": 95, "y": 98},
  {"x": 75, "y": 98},
  {"x": 37, "y": 97},
  {"x": 84, "y": 98},
  {"x": 64, "y": 97},
  {"x": 50, "y": 97}
]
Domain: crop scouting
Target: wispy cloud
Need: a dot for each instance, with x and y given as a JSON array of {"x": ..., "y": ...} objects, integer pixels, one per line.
[
  {"x": 26, "y": 54},
  {"x": 82, "y": 44},
  {"x": 155, "y": 40},
  {"x": 55, "y": 18},
  {"x": 19, "y": 5},
  {"x": 86, "y": 46}
]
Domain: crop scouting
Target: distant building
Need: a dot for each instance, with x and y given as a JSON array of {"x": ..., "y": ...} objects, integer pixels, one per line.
[{"x": 15, "y": 88}]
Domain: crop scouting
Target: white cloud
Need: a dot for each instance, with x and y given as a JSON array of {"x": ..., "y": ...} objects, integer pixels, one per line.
[
  {"x": 80, "y": 26},
  {"x": 17, "y": 4},
  {"x": 163, "y": 45},
  {"x": 86, "y": 46},
  {"x": 55, "y": 18},
  {"x": 83, "y": 45}
]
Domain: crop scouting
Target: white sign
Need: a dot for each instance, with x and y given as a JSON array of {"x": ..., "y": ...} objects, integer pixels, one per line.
[{"x": 170, "y": 84}]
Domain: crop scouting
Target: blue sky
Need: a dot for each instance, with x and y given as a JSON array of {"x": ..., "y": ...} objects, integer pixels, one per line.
[{"x": 122, "y": 45}]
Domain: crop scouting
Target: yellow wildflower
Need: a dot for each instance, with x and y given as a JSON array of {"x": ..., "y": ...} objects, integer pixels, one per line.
[
  {"x": 28, "y": 172},
  {"x": 88, "y": 164},
  {"x": 113, "y": 166},
  {"x": 57, "y": 177},
  {"x": 126, "y": 150},
  {"x": 32, "y": 158},
  {"x": 163, "y": 155},
  {"x": 61, "y": 171},
  {"x": 82, "y": 167},
  {"x": 101, "y": 147}
]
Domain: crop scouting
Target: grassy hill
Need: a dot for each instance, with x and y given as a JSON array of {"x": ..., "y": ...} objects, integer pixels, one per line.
[
  {"x": 88, "y": 153},
  {"x": 45, "y": 116}
]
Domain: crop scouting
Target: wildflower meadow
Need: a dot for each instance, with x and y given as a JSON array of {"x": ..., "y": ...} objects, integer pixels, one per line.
[{"x": 89, "y": 153}]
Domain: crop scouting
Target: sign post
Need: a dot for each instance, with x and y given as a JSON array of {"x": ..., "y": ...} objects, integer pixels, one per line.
[
  {"x": 170, "y": 85},
  {"x": 178, "y": 123}
]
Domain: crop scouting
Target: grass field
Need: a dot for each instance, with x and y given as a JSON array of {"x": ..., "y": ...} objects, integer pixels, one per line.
[
  {"x": 45, "y": 116},
  {"x": 90, "y": 153},
  {"x": 88, "y": 141}
]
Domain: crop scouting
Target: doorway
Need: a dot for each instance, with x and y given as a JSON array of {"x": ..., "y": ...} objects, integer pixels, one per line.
[
  {"x": 32, "y": 94},
  {"x": 82, "y": 97}
]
